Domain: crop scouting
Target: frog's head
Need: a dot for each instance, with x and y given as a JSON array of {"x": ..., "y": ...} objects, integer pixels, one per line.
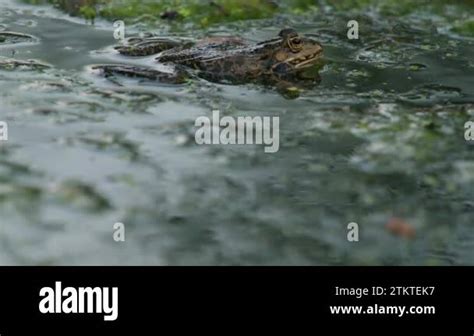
[{"x": 293, "y": 52}]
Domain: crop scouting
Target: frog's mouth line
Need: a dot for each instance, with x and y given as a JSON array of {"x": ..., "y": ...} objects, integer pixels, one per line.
[{"x": 301, "y": 61}]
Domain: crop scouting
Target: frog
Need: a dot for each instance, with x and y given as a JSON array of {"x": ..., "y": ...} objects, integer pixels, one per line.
[{"x": 278, "y": 62}]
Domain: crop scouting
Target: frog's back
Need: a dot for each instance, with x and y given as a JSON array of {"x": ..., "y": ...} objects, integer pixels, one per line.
[{"x": 207, "y": 49}]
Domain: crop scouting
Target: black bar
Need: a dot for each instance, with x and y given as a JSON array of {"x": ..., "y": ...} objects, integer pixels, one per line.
[{"x": 171, "y": 299}]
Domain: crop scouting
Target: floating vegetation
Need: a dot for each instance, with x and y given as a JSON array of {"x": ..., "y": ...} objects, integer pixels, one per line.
[
  {"x": 28, "y": 65},
  {"x": 8, "y": 38}
]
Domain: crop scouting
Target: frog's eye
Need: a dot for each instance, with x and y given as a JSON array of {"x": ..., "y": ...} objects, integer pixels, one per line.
[{"x": 295, "y": 44}]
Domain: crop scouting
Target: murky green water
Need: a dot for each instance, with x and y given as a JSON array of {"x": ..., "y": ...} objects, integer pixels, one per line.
[{"x": 382, "y": 136}]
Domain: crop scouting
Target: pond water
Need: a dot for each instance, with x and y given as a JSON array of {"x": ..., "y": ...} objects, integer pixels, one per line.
[{"x": 381, "y": 137}]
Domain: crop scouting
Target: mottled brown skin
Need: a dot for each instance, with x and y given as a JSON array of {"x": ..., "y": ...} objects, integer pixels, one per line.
[{"x": 225, "y": 59}]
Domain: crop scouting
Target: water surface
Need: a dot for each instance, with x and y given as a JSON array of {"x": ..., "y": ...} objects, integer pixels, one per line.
[{"x": 382, "y": 136}]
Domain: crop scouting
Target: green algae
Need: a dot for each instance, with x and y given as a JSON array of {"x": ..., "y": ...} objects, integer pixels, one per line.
[
  {"x": 207, "y": 13},
  {"x": 465, "y": 28}
]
